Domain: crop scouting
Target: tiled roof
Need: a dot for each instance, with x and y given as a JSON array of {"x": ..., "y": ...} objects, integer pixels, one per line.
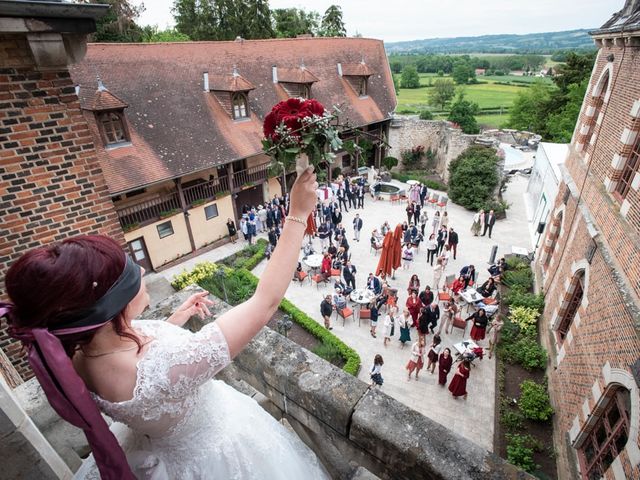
[
  {"x": 103, "y": 100},
  {"x": 230, "y": 83},
  {"x": 177, "y": 128},
  {"x": 296, "y": 75},
  {"x": 357, "y": 70},
  {"x": 627, "y": 20}
]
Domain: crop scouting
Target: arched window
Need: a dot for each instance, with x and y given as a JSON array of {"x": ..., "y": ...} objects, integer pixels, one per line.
[
  {"x": 608, "y": 436},
  {"x": 362, "y": 86},
  {"x": 554, "y": 233},
  {"x": 597, "y": 101},
  {"x": 112, "y": 127},
  {"x": 631, "y": 167},
  {"x": 570, "y": 307},
  {"x": 240, "y": 107}
]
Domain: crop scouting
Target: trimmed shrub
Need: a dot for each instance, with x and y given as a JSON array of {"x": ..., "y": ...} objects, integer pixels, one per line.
[
  {"x": 527, "y": 352},
  {"x": 328, "y": 351},
  {"x": 511, "y": 419},
  {"x": 519, "y": 277},
  {"x": 525, "y": 318},
  {"x": 426, "y": 115},
  {"x": 473, "y": 177},
  {"x": 534, "y": 401},
  {"x": 517, "y": 297},
  {"x": 199, "y": 273}
]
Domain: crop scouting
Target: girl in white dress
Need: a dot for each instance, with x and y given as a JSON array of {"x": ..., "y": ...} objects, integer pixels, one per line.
[
  {"x": 389, "y": 325},
  {"x": 74, "y": 305}
]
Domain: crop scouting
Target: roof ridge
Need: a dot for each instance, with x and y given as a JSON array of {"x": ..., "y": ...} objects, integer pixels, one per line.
[{"x": 257, "y": 40}]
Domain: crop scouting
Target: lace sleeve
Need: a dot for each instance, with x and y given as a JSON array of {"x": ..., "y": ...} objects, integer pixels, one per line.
[{"x": 189, "y": 360}]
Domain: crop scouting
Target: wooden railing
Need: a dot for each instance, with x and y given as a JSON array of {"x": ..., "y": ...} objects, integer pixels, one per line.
[
  {"x": 256, "y": 174},
  {"x": 205, "y": 190},
  {"x": 152, "y": 209}
]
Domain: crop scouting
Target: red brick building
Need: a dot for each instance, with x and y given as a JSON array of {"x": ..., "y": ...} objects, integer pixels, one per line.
[{"x": 591, "y": 269}]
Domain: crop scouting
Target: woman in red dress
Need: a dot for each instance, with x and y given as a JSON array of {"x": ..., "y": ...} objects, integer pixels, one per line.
[
  {"x": 414, "y": 305},
  {"x": 480, "y": 321},
  {"x": 325, "y": 269},
  {"x": 458, "y": 386},
  {"x": 444, "y": 366}
]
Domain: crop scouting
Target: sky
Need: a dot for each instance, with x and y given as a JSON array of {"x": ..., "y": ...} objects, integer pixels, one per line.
[{"x": 399, "y": 20}]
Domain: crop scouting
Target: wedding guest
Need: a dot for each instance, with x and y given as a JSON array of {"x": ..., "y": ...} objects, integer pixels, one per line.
[
  {"x": 404, "y": 323},
  {"x": 374, "y": 319},
  {"x": 416, "y": 213},
  {"x": 373, "y": 284},
  {"x": 436, "y": 221},
  {"x": 453, "y": 242},
  {"x": 469, "y": 274},
  {"x": 489, "y": 222},
  {"x": 325, "y": 268},
  {"x": 478, "y": 223},
  {"x": 357, "y": 227},
  {"x": 414, "y": 284},
  {"x": 444, "y": 366},
  {"x": 488, "y": 288},
  {"x": 480, "y": 321},
  {"x": 410, "y": 209},
  {"x": 414, "y": 305},
  {"x": 458, "y": 285},
  {"x": 389, "y": 325},
  {"x": 434, "y": 352},
  {"x": 433, "y": 313},
  {"x": 407, "y": 256},
  {"x": 446, "y": 254},
  {"x": 458, "y": 386},
  {"x": 432, "y": 248},
  {"x": 444, "y": 221},
  {"x": 494, "y": 333},
  {"x": 426, "y": 296},
  {"x": 326, "y": 310},
  {"x": 451, "y": 311},
  {"x": 416, "y": 362},
  {"x": 233, "y": 232},
  {"x": 376, "y": 371},
  {"x": 423, "y": 323},
  {"x": 424, "y": 218},
  {"x": 324, "y": 232},
  {"x": 438, "y": 270},
  {"x": 349, "y": 274}
]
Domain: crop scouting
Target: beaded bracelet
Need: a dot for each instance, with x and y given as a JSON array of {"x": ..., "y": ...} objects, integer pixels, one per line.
[{"x": 296, "y": 219}]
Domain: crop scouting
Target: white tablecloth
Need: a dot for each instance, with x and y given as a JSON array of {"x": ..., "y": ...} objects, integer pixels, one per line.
[{"x": 313, "y": 261}]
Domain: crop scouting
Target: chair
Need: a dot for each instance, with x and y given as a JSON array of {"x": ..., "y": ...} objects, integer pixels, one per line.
[
  {"x": 433, "y": 200},
  {"x": 364, "y": 313},
  {"x": 444, "y": 297},
  {"x": 336, "y": 272},
  {"x": 345, "y": 313},
  {"x": 404, "y": 198},
  {"x": 442, "y": 202},
  {"x": 318, "y": 278},
  {"x": 300, "y": 276},
  {"x": 375, "y": 248},
  {"x": 395, "y": 199},
  {"x": 459, "y": 322}
]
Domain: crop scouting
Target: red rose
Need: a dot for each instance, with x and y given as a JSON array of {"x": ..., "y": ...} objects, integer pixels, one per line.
[
  {"x": 314, "y": 107},
  {"x": 290, "y": 112}
]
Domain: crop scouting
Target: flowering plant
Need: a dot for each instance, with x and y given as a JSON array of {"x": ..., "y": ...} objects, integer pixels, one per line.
[{"x": 297, "y": 126}]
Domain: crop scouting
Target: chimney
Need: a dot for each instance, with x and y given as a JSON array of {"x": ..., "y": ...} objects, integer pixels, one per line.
[
  {"x": 206, "y": 81},
  {"x": 339, "y": 69},
  {"x": 274, "y": 72}
]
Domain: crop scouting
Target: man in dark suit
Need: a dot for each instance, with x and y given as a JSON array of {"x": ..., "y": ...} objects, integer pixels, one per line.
[
  {"x": 373, "y": 284},
  {"x": 453, "y": 242},
  {"x": 357, "y": 226},
  {"x": 326, "y": 309},
  {"x": 423, "y": 194},
  {"x": 426, "y": 296},
  {"x": 489, "y": 222},
  {"x": 349, "y": 275},
  {"x": 342, "y": 198},
  {"x": 433, "y": 314}
]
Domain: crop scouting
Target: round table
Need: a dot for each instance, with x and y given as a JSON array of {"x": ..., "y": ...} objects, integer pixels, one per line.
[
  {"x": 362, "y": 296},
  {"x": 412, "y": 182},
  {"x": 313, "y": 261}
]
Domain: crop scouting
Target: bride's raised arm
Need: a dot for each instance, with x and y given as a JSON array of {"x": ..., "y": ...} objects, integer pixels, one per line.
[{"x": 240, "y": 324}]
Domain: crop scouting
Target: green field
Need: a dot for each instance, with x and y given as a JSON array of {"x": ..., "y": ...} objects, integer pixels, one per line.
[{"x": 492, "y": 96}]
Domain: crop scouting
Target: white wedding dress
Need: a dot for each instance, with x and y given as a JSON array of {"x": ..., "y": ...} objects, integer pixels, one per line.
[{"x": 185, "y": 425}]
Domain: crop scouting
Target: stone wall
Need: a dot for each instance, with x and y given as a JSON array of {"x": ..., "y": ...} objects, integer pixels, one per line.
[{"x": 447, "y": 142}]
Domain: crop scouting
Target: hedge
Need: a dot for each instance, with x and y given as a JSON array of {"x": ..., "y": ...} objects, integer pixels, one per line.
[
  {"x": 432, "y": 184},
  {"x": 204, "y": 274}
]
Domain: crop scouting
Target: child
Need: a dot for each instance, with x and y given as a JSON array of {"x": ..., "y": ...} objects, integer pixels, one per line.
[
  {"x": 434, "y": 352},
  {"x": 407, "y": 256},
  {"x": 374, "y": 319},
  {"x": 389, "y": 325},
  {"x": 376, "y": 371}
]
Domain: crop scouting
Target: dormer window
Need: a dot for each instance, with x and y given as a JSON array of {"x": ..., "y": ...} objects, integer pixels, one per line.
[
  {"x": 296, "y": 82},
  {"x": 112, "y": 126},
  {"x": 240, "y": 108},
  {"x": 109, "y": 114},
  {"x": 232, "y": 93},
  {"x": 357, "y": 76}
]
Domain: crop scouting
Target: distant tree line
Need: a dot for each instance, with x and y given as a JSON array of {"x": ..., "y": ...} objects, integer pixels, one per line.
[
  {"x": 434, "y": 63},
  {"x": 218, "y": 20}
]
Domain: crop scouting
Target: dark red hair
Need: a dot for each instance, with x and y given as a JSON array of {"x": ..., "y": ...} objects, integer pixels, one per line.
[{"x": 49, "y": 284}]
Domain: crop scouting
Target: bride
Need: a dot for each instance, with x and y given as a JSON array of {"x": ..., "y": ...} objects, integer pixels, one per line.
[{"x": 73, "y": 307}]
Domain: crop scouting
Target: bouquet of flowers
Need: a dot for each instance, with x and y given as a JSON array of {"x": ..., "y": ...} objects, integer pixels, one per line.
[{"x": 300, "y": 131}]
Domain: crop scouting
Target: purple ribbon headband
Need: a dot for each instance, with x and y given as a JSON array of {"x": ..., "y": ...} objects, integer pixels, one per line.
[{"x": 67, "y": 393}]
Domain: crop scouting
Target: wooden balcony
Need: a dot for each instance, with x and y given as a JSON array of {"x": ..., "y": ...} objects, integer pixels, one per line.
[
  {"x": 205, "y": 191},
  {"x": 251, "y": 176}
]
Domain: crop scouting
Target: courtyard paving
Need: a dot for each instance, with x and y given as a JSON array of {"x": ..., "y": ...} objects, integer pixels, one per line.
[{"x": 472, "y": 418}]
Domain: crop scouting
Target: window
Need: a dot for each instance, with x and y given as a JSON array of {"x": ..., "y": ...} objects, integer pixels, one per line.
[
  {"x": 362, "y": 87},
  {"x": 113, "y": 128},
  {"x": 629, "y": 171},
  {"x": 570, "y": 310},
  {"x": 608, "y": 436},
  {"x": 305, "y": 91},
  {"x": 240, "y": 108},
  {"x": 597, "y": 101},
  {"x": 165, "y": 229},
  {"x": 211, "y": 211}
]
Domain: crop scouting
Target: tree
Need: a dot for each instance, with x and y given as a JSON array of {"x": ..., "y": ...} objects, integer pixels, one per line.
[
  {"x": 119, "y": 24},
  {"x": 560, "y": 125},
  {"x": 332, "y": 23},
  {"x": 463, "y": 113},
  {"x": 473, "y": 177},
  {"x": 442, "y": 92},
  {"x": 531, "y": 109},
  {"x": 576, "y": 69},
  {"x": 462, "y": 73},
  {"x": 396, "y": 67},
  {"x": 255, "y": 17},
  {"x": 396, "y": 84},
  {"x": 151, "y": 34},
  {"x": 410, "y": 77},
  {"x": 291, "y": 22}
]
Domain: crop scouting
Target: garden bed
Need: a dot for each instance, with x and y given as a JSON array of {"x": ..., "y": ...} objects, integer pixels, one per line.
[{"x": 524, "y": 430}]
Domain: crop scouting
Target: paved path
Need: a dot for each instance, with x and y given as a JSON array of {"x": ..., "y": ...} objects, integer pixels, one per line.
[{"x": 473, "y": 418}]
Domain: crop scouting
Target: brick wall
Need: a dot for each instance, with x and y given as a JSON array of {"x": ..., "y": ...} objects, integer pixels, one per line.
[
  {"x": 604, "y": 333},
  {"x": 51, "y": 184}
]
